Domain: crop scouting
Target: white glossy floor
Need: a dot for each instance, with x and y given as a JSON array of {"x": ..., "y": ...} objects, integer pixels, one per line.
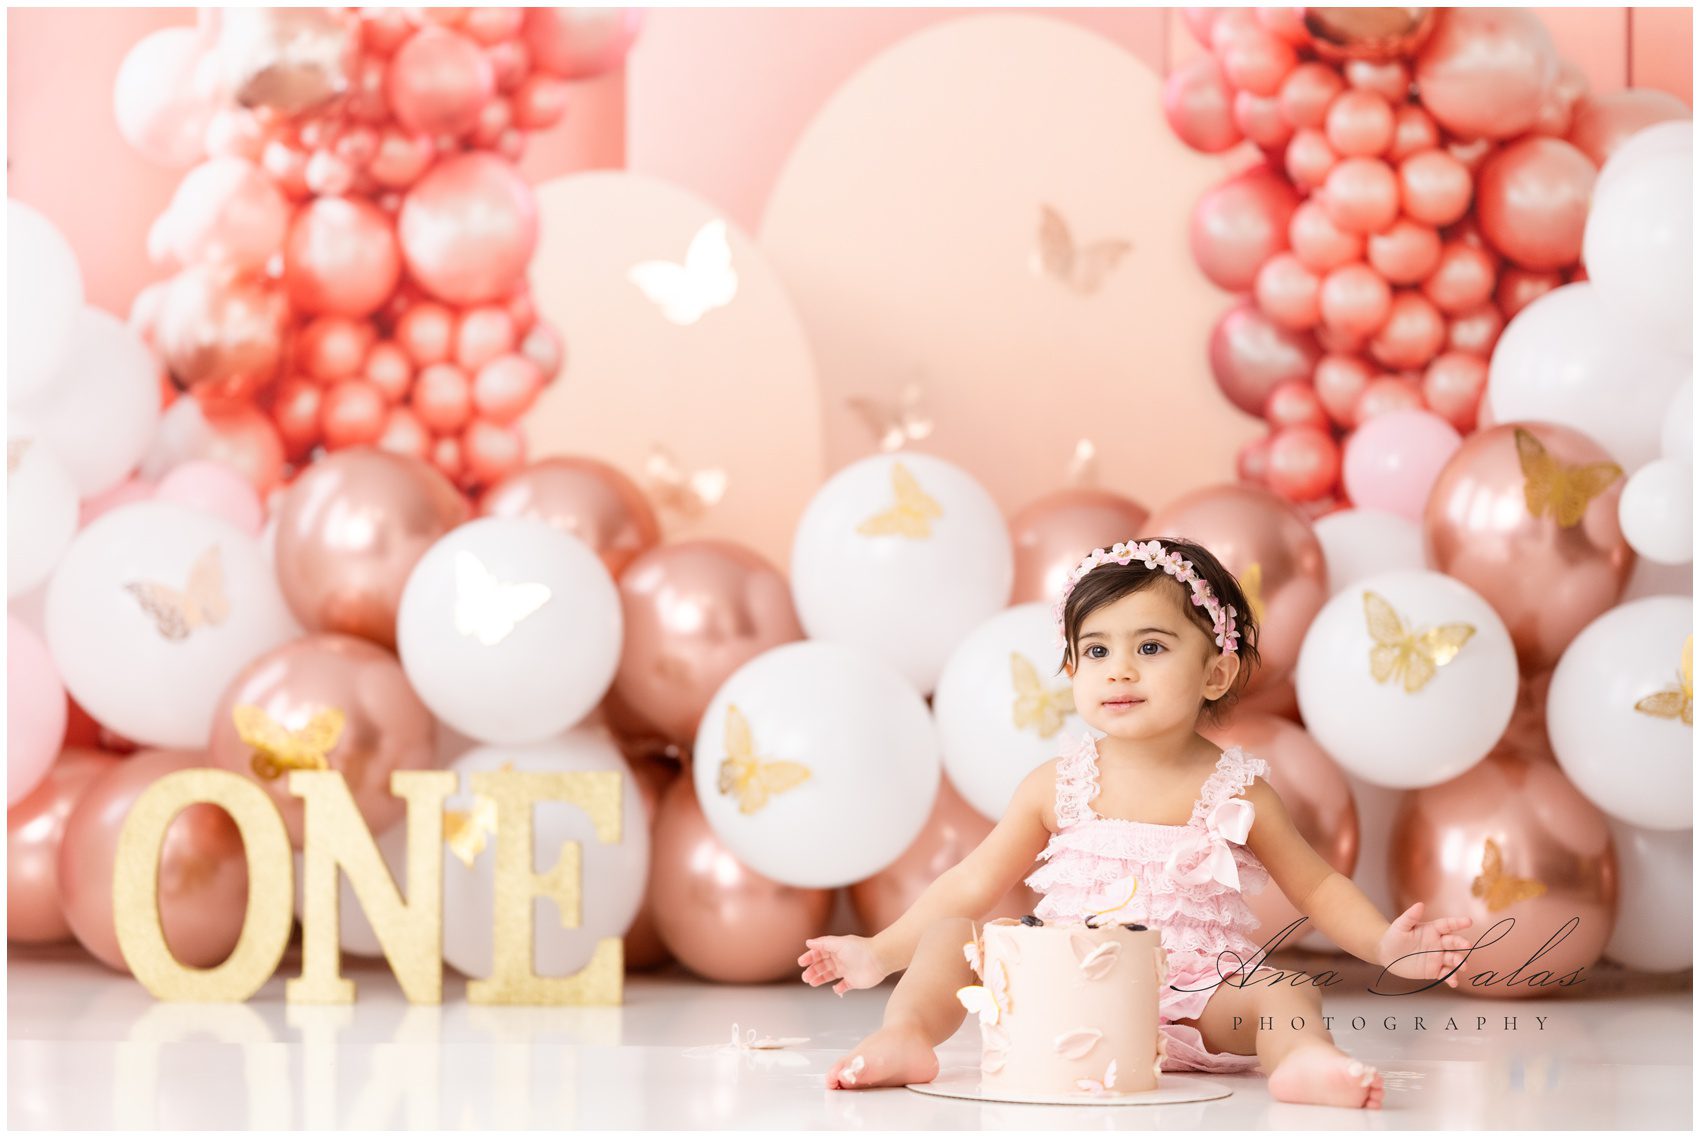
[{"x": 88, "y": 1049}]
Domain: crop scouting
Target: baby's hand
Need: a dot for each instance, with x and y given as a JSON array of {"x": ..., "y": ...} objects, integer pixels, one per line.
[
  {"x": 851, "y": 960},
  {"x": 1422, "y": 951}
]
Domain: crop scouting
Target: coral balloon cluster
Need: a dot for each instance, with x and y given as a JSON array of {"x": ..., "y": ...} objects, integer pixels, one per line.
[
  {"x": 350, "y": 241},
  {"x": 1425, "y": 175}
]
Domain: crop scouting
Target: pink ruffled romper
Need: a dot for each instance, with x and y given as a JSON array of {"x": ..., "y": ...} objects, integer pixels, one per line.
[{"x": 1190, "y": 880}]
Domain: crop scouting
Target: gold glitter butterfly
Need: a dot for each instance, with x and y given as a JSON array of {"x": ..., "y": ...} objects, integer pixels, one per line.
[
  {"x": 278, "y": 749},
  {"x": 1677, "y": 702},
  {"x": 1499, "y": 889},
  {"x": 467, "y": 833},
  {"x": 688, "y": 292},
  {"x": 1401, "y": 652},
  {"x": 15, "y": 451},
  {"x": 1082, "y": 268},
  {"x": 1042, "y": 710},
  {"x": 1550, "y": 487},
  {"x": 751, "y": 778},
  {"x": 1251, "y": 584},
  {"x": 913, "y": 514},
  {"x": 896, "y": 426},
  {"x": 687, "y": 496},
  {"x": 202, "y": 602}
]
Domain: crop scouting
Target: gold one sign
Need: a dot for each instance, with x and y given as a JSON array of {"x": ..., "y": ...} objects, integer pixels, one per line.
[{"x": 336, "y": 840}]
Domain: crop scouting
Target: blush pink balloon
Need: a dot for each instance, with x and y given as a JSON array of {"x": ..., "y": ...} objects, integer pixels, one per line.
[
  {"x": 227, "y": 210},
  {"x": 1307, "y": 92},
  {"x": 1389, "y": 79},
  {"x": 1251, "y": 464},
  {"x": 341, "y": 258},
  {"x": 1339, "y": 383},
  {"x": 1319, "y": 243},
  {"x": 1304, "y": 463},
  {"x": 1198, "y": 104},
  {"x": 1413, "y": 332},
  {"x": 400, "y": 158},
  {"x": 1391, "y": 461},
  {"x": 1434, "y": 187},
  {"x": 438, "y": 82},
  {"x": 1532, "y": 201},
  {"x": 1359, "y": 124},
  {"x": 1453, "y": 386},
  {"x": 353, "y": 414},
  {"x": 36, "y": 710},
  {"x": 214, "y": 488},
  {"x": 426, "y": 332},
  {"x": 1600, "y": 123},
  {"x": 1355, "y": 299},
  {"x": 1484, "y": 72},
  {"x": 243, "y": 438},
  {"x": 468, "y": 228},
  {"x": 35, "y": 827},
  {"x": 492, "y": 452},
  {"x": 1250, "y": 355},
  {"x": 330, "y": 348},
  {"x": 1052, "y": 534},
  {"x": 389, "y": 370},
  {"x": 1288, "y": 292},
  {"x": 1239, "y": 224},
  {"x": 442, "y": 398},
  {"x": 1462, "y": 280},
  {"x": 539, "y": 102},
  {"x": 578, "y": 43},
  {"x": 1309, "y": 159},
  {"x": 1361, "y": 195},
  {"x": 1405, "y": 253}
]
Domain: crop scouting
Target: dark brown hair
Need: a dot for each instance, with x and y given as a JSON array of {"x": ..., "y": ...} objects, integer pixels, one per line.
[{"x": 1109, "y": 583}]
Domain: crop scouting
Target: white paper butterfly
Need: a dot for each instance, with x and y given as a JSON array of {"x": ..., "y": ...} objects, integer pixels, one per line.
[
  {"x": 488, "y": 609},
  {"x": 989, "y": 1000},
  {"x": 706, "y": 281}
]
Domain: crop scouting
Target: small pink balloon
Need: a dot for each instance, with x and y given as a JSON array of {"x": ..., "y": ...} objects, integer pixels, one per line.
[
  {"x": 1405, "y": 253},
  {"x": 1304, "y": 463},
  {"x": 1484, "y": 72},
  {"x": 1294, "y": 404},
  {"x": 542, "y": 346},
  {"x": 1385, "y": 395},
  {"x": 1519, "y": 287},
  {"x": 341, "y": 258},
  {"x": 484, "y": 333},
  {"x": 1355, "y": 299},
  {"x": 1389, "y": 79},
  {"x": 1339, "y": 382},
  {"x": 1413, "y": 333},
  {"x": 330, "y": 348},
  {"x": 353, "y": 414},
  {"x": 1198, "y": 104},
  {"x": 505, "y": 388},
  {"x": 1309, "y": 159},
  {"x": 132, "y": 489},
  {"x": 1251, "y": 464},
  {"x": 1307, "y": 92},
  {"x": 438, "y": 82},
  {"x": 1392, "y": 461},
  {"x": 389, "y": 370},
  {"x": 400, "y": 157},
  {"x": 539, "y": 102},
  {"x": 1260, "y": 119},
  {"x": 1475, "y": 331},
  {"x": 1288, "y": 292},
  {"x": 1361, "y": 195},
  {"x": 442, "y": 399},
  {"x": 36, "y": 710},
  {"x": 1256, "y": 61},
  {"x": 1240, "y": 224},
  {"x": 1250, "y": 355},
  {"x": 226, "y": 210},
  {"x": 1532, "y": 201},
  {"x": 1414, "y": 129},
  {"x": 1453, "y": 386},
  {"x": 468, "y": 228},
  {"x": 578, "y": 43},
  {"x": 492, "y": 451},
  {"x": 1462, "y": 280},
  {"x": 1359, "y": 124},
  {"x": 1320, "y": 244},
  {"x": 427, "y": 333},
  {"x": 214, "y": 488}
]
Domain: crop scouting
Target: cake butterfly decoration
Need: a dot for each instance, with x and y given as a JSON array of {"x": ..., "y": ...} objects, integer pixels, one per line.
[
  {"x": 1557, "y": 490},
  {"x": 1407, "y": 653},
  {"x": 913, "y": 514},
  {"x": 1498, "y": 889},
  {"x": 1044, "y": 710},
  {"x": 278, "y": 749},
  {"x": 748, "y": 777},
  {"x": 990, "y": 1001},
  {"x": 1097, "y": 1087},
  {"x": 1677, "y": 702},
  {"x": 1096, "y": 960},
  {"x": 1077, "y": 1044},
  {"x": 200, "y": 603}
]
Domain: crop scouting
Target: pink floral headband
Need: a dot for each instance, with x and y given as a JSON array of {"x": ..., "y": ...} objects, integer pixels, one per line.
[{"x": 1155, "y": 556}]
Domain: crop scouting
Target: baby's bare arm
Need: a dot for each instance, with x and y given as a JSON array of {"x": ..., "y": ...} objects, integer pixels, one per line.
[{"x": 1330, "y": 899}]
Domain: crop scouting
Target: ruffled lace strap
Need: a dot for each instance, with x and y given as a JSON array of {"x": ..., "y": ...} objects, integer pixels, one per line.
[
  {"x": 1234, "y": 771},
  {"x": 1077, "y": 784}
]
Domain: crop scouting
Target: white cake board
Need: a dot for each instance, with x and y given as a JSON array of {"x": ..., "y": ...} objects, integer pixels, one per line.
[{"x": 964, "y": 1083}]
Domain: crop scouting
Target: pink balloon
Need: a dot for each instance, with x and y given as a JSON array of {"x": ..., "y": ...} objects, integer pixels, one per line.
[
  {"x": 1413, "y": 130},
  {"x": 577, "y": 43},
  {"x": 1250, "y": 355},
  {"x": 1406, "y": 253},
  {"x": 1260, "y": 119},
  {"x": 1359, "y": 124},
  {"x": 484, "y": 333},
  {"x": 1462, "y": 280},
  {"x": 228, "y": 210},
  {"x": 1304, "y": 463},
  {"x": 1413, "y": 333},
  {"x": 400, "y": 158},
  {"x": 1601, "y": 123},
  {"x": 1240, "y": 224},
  {"x": 1318, "y": 242},
  {"x": 468, "y": 228},
  {"x": 1294, "y": 404},
  {"x": 1288, "y": 292},
  {"x": 1307, "y": 92},
  {"x": 36, "y": 710},
  {"x": 1476, "y": 331},
  {"x": 1484, "y": 72},
  {"x": 1388, "y": 78},
  {"x": 1434, "y": 187},
  {"x": 1355, "y": 299},
  {"x": 341, "y": 258},
  {"x": 1309, "y": 159},
  {"x": 1392, "y": 461},
  {"x": 1197, "y": 102},
  {"x": 1255, "y": 60},
  {"x": 439, "y": 82},
  {"x": 1385, "y": 395},
  {"x": 1361, "y": 195},
  {"x": 1339, "y": 382},
  {"x": 1453, "y": 386},
  {"x": 214, "y": 488},
  {"x": 1532, "y": 200}
]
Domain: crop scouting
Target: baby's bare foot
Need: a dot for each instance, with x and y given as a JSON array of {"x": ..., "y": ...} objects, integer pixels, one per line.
[
  {"x": 890, "y": 1057},
  {"x": 1323, "y": 1074}
]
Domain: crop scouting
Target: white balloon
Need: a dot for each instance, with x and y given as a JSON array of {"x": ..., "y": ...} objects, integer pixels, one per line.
[
  {"x": 1656, "y": 511},
  {"x": 167, "y": 126},
  {"x": 153, "y": 611},
  {"x": 102, "y": 409},
  {"x": 863, "y": 736},
  {"x": 1676, "y": 438},
  {"x": 1635, "y": 765},
  {"x": 1381, "y": 732},
  {"x": 1361, "y": 543},
  {"x": 1638, "y": 244},
  {"x": 612, "y": 875},
  {"x": 1655, "y": 898},
  {"x": 939, "y": 563},
  {"x": 44, "y": 291},
  {"x": 509, "y": 630},
  {"x": 1002, "y": 708},
  {"x": 41, "y": 507},
  {"x": 1565, "y": 359}
]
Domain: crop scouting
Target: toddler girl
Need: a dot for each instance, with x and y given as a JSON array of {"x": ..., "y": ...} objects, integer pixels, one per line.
[{"x": 1153, "y": 822}]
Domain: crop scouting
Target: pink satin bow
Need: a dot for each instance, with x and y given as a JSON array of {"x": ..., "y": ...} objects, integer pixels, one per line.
[{"x": 1230, "y": 821}]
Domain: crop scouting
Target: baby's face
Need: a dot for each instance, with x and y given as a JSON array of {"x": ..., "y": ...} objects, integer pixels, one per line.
[{"x": 1143, "y": 668}]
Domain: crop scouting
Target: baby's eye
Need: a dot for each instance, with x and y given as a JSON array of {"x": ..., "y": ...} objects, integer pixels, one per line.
[
  {"x": 1093, "y": 651},
  {"x": 1150, "y": 644}
]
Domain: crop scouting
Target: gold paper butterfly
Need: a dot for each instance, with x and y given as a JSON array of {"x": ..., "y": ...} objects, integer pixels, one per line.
[
  {"x": 1676, "y": 702},
  {"x": 688, "y": 292},
  {"x": 202, "y": 601},
  {"x": 278, "y": 749},
  {"x": 913, "y": 514},
  {"x": 751, "y": 778},
  {"x": 1498, "y": 889},
  {"x": 467, "y": 833},
  {"x": 1082, "y": 268},
  {"x": 1553, "y": 488},
  {"x": 687, "y": 495},
  {"x": 1042, "y": 710},
  {"x": 1413, "y": 655},
  {"x": 15, "y": 451},
  {"x": 894, "y": 426},
  {"x": 1251, "y": 584}
]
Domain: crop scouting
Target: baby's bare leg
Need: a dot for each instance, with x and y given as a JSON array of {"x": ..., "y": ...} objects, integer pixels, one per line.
[{"x": 923, "y": 1012}]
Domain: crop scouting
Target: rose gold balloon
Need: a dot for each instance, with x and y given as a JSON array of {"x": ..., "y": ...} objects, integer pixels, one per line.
[
  {"x": 349, "y": 532},
  {"x": 1485, "y": 71},
  {"x": 1546, "y": 579},
  {"x": 1197, "y": 102},
  {"x": 1462, "y": 280},
  {"x": 1405, "y": 253},
  {"x": 643, "y": 947},
  {"x": 217, "y": 328},
  {"x": 341, "y": 257},
  {"x": 1512, "y": 841},
  {"x": 34, "y": 827},
  {"x": 1269, "y": 547},
  {"x": 1250, "y": 355},
  {"x": 721, "y": 919},
  {"x": 1304, "y": 463},
  {"x": 286, "y": 60},
  {"x": 1453, "y": 386},
  {"x": 1532, "y": 200},
  {"x": 950, "y": 835},
  {"x": 1413, "y": 333},
  {"x": 1319, "y": 243},
  {"x": 385, "y": 726},
  {"x": 1241, "y": 223},
  {"x": 694, "y": 613},
  {"x": 1359, "y": 124},
  {"x": 1315, "y": 793},
  {"x": 1601, "y": 122},
  {"x": 1052, "y": 534},
  {"x": 584, "y": 497},
  {"x": 1518, "y": 288},
  {"x": 203, "y": 873},
  {"x": 1367, "y": 33}
]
